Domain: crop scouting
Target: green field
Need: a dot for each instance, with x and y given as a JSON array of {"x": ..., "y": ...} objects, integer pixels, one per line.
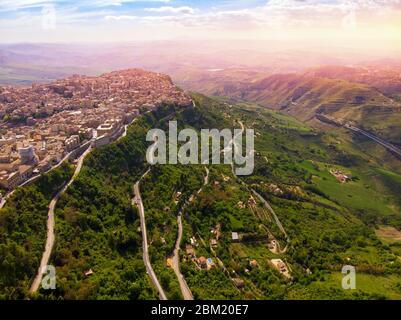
[{"x": 327, "y": 224}]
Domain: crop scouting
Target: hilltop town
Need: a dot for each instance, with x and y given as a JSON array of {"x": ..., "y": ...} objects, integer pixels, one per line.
[{"x": 44, "y": 124}]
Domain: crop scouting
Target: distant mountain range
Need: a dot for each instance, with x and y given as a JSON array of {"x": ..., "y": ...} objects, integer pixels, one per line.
[
  {"x": 367, "y": 92},
  {"x": 369, "y": 97},
  {"x": 386, "y": 79},
  {"x": 183, "y": 60}
]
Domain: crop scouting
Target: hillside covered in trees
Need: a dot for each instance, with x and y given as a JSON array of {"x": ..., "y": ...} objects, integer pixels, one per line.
[{"x": 316, "y": 201}]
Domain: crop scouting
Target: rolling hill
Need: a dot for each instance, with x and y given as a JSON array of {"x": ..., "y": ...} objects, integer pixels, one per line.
[
  {"x": 306, "y": 95},
  {"x": 387, "y": 79},
  {"x": 328, "y": 223}
]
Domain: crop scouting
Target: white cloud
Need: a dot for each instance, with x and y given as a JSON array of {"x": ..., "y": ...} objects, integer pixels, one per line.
[
  {"x": 275, "y": 14},
  {"x": 184, "y": 9},
  {"x": 104, "y": 3},
  {"x": 13, "y": 5},
  {"x": 119, "y": 18},
  {"x": 281, "y": 16},
  {"x": 9, "y": 5}
]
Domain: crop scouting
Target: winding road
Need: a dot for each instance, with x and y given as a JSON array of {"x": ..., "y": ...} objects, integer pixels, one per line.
[
  {"x": 34, "y": 178},
  {"x": 50, "y": 225},
  {"x": 263, "y": 200},
  {"x": 4, "y": 199},
  {"x": 276, "y": 219},
  {"x": 185, "y": 290},
  {"x": 205, "y": 181},
  {"x": 137, "y": 200}
]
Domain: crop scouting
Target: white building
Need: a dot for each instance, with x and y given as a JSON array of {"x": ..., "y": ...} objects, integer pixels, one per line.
[
  {"x": 72, "y": 142},
  {"x": 27, "y": 155}
]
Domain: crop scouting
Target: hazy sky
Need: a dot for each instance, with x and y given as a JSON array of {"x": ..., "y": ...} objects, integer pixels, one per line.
[{"x": 363, "y": 24}]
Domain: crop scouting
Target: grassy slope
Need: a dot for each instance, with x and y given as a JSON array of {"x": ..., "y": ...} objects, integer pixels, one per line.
[
  {"x": 159, "y": 192},
  {"x": 310, "y": 217},
  {"x": 369, "y": 197},
  {"x": 303, "y": 95},
  {"x": 97, "y": 227},
  {"x": 328, "y": 230}
]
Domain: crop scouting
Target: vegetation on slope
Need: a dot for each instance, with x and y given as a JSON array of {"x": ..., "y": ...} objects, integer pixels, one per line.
[
  {"x": 23, "y": 232},
  {"x": 98, "y": 229},
  {"x": 305, "y": 95},
  {"x": 165, "y": 191},
  {"x": 329, "y": 223}
]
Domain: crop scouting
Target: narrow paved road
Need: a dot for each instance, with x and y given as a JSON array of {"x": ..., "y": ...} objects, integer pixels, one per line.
[
  {"x": 264, "y": 201},
  {"x": 205, "y": 181},
  {"x": 9, "y": 194},
  {"x": 138, "y": 201},
  {"x": 268, "y": 206},
  {"x": 186, "y": 292},
  {"x": 4, "y": 199},
  {"x": 126, "y": 129},
  {"x": 34, "y": 178},
  {"x": 50, "y": 226},
  {"x": 276, "y": 219},
  {"x": 233, "y": 143}
]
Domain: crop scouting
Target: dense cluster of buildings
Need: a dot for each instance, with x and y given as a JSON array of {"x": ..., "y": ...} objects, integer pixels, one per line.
[{"x": 42, "y": 124}]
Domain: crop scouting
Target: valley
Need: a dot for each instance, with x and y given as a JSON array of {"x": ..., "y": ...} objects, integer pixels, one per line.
[
  {"x": 200, "y": 159},
  {"x": 368, "y": 104},
  {"x": 317, "y": 200}
]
